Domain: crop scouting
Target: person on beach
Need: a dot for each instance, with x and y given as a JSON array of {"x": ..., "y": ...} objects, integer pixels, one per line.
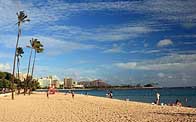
[
  {"x": 72, "y": 94},
  {"x": 158, "y": 98},
  {"x": 3, "y": 91},
  {"x": 47, "y": 94}
]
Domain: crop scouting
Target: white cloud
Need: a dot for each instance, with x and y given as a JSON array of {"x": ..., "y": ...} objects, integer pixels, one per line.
[
  {"x": 52, "y": 46},
  {"x": 120, "y": 32},
  {"x": 41, "y": 12},
  {"x": 56, "y": 46},
  {"x": 185, "y": 36},
  {"x": 164, "y": 43},
  {"x": 129, "y": 65},
  {"x": 145, "y": 51},
  {"x": 5, "y": 67},
  {"x": 115, "y": 49},
  {"x": 48, "y": 13},
  {"x": 170, "y": 10},
  {"x": 169, "y": 63},
  {"x": 170, "y": 77},
  {"x": 161, "y": 75}
]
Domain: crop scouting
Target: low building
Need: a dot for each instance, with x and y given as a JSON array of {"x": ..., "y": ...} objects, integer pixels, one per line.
[{"x": 78, "y": 86}]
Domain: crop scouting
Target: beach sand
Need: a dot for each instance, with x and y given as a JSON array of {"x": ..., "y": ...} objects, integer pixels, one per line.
[{"x": 62, "y": 108}]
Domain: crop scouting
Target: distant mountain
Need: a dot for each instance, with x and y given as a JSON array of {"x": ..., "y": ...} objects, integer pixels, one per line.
[{"x": 94, "y": 83}]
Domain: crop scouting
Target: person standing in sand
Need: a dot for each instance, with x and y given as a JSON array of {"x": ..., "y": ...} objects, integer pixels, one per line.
[
  {"x": 47, "y": 94},
  {"x": 72, "y": 94},
  {"x": 158, "y": 98}
]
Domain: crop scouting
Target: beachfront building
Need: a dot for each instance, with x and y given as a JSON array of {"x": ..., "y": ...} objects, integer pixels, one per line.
[
  {"x": 49, "y": 81},
  {"x": 44, "y": 82},
  {"x": 70, "y": 83}
]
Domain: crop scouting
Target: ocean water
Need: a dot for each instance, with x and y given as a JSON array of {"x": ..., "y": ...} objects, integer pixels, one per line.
[{"x": 186, "y": 95}]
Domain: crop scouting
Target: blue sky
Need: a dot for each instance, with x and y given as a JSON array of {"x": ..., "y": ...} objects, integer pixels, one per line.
[{"x": 119, "y": 41}]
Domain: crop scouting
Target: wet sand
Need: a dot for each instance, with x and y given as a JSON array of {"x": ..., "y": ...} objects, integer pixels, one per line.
[{"x": 62, "y": 108}]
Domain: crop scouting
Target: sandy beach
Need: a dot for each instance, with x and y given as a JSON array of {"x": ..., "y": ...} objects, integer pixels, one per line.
[{"x": 62, "y": 108}]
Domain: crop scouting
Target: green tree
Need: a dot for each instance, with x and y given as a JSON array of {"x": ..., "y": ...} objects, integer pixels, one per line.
[
  {"x": 148, "y": 85},
  {"x": 22, "y": 17},
  {"x": 8, "y": 76},
  {"x": 4, "y": 82},
  {"x": 2, "y": 75},
  {"x": 2, "y": 79}
]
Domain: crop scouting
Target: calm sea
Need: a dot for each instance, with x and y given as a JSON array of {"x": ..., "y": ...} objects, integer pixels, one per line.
[{"x": 186, "y": 95}]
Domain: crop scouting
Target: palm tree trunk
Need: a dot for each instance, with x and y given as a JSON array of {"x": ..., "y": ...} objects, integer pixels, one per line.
[
  {"x": 33, "y": 63},
  {"x": 18, "y": 67},
  {"x": 18, "y": 63},
  {"x": 13, "y": 71},
  {"x": 33, "y": 68},
  {"x": 27, "y": 78}
]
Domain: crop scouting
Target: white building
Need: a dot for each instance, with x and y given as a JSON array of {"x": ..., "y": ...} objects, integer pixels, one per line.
[
  {"x": 49, "y": 81},
  {"x": 45, "y": 82}
]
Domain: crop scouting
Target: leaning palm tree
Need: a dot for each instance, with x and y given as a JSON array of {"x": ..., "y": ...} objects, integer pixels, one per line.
[
  {"x": 22, "y": 17},
  {"x": 38, "y": 48},
  {"x": 29, "y": 64},
  {"x": 19, "y": 52}
]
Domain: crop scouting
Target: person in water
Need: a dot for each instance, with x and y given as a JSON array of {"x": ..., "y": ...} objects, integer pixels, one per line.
[
  {"x": 111, "y": 95},
  {"x": 178, "y": 103},
  {"x": 158, "y": 98}
]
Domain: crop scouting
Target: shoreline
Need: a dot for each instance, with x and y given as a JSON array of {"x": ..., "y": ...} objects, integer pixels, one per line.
[
  {"x": 124, "y": 88},
  {"x": 129, "y": 98},
  {"x": 37, "y": 92},
  {"x": 107, "y": 88},
  {"x": 63, "y": 108}
]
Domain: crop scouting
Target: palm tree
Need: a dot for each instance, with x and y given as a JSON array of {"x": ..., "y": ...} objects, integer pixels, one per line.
[
  {"x": 19, "y": 52},
  {"x": 29, "y": 64},
  {"x": 22, "y": 17},
  {"x": 38, "y": 48}
]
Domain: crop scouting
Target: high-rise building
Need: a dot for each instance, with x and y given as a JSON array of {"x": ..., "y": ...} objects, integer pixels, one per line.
[{"x": 70, "y": 83}]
